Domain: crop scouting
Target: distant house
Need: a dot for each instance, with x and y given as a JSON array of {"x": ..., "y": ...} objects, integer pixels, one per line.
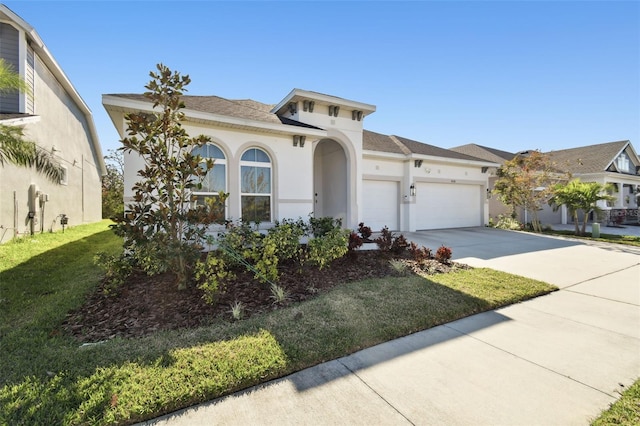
[
  {"x": 314, "y": 157},
  {"x": 615, "y": 163},
  {"x": 58, "y": 120}
]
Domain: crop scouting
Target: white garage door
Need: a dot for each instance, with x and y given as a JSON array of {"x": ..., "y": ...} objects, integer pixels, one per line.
[
  {"x": 448, "y": 205},
  {"x": 381, "y": 204}
]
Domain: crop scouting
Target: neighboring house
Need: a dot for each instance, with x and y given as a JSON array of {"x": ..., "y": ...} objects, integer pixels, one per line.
[
  {"x": 58, "y": 120},
  {"x": 311, "y": 155},
  {"x": 615, "y": 163}
]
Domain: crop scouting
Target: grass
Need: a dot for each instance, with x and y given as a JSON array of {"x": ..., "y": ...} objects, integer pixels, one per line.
[
  {"x": 628, "y": 240},
  {"x": 625, "y": 411},
  {"x": 48, "y": 378}
]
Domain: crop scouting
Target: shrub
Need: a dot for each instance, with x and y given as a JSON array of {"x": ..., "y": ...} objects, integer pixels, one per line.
[
  {"x": 237, "y": 310},
  {"x": 388, "y": 242},
  {"x": 323, "y": 250},
  {"x": 286, "y": 235},
  {"x": 211, "y": 274},
  {"x": 278, "y": 293},
  {"x": 385, "y": 240},
  {"x": 419, "y": 254},
  {"x": 117, "y": 269},
  {"x": 399, "y": 244},
  {"x": 443, "y": 255},
  {"x": 365, "y": 231},
  {"x": 323, "y": 225},
  {"x": 507, "y": 222},
  {"x": 355, "y": 241}
]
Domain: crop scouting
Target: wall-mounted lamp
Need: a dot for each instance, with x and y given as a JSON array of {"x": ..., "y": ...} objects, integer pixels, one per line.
[
  {"x": 293, "y": 107},
  {"x": 412, "y": 190},
  {"x": 484, "y": 169},
  {"x": 417, "y": 163},
  {"x": 488, "y": 194}
]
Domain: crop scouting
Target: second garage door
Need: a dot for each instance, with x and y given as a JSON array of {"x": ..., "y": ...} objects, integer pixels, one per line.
[
  {"x": 381, "y": 204},
  {"x": 448, "y": 205}
]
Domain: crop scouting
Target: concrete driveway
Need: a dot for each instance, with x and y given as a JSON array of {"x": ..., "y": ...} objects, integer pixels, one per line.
[{"x": 558, "y": 359}]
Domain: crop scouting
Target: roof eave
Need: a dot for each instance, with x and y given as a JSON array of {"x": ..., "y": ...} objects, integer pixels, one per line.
[
  {"x": 133, "y": 105},
  {"x": 296, "y": 94},
  {"x": 43, "y": 53}
]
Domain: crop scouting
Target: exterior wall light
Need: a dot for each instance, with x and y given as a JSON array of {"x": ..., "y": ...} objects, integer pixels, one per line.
[{"x": 412, "y": 190}]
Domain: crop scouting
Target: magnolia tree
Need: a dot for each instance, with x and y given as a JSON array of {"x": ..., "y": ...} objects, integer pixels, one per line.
[
  {"x": 525, "y": 181},
  {"x": 579, "y": 196},
  {"x": 162, "y": 227}
]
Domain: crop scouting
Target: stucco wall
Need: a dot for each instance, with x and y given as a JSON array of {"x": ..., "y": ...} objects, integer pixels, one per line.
[{"x": 63, "y": 126}]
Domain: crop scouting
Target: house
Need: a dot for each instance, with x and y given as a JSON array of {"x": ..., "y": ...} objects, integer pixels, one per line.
[
  {"x": 614, "y": 163},
  {"x": 59, "y": 121},
  {"x": 313, "y": 156}
]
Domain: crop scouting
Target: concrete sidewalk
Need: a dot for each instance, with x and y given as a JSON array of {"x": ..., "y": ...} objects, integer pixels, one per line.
[{"x": 558, "y": 359}]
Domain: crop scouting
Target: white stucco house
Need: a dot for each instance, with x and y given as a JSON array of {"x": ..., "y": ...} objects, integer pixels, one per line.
[
  {"x": 309, "y": 154},
  {"x": 59, "y": 121}
]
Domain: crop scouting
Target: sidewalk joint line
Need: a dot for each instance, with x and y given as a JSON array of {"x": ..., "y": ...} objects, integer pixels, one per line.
[
  {"x": 532, "y": 362},
  {"x": 600, "y": 276},
  {"x": 374, "y": 391}
]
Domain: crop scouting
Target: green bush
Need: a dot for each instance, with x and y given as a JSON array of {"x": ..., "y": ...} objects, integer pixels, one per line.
[
  {"x": 211, "y": 274},
  {"x": 323, "y": 225},
  {"x": 117, "y": 268},
  {"x": 509, "y": 223},
  {"x": 323, "y": 250}
]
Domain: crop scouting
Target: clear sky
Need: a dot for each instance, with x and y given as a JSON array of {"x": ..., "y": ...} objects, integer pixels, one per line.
[{"x": 512, "y": 75}]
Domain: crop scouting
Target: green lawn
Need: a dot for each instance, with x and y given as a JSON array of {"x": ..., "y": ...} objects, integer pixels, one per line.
[
  {"x": 628, "y": 240},
  {"x": 625, "y": 411},
  {"x": 48, "y": 378}
]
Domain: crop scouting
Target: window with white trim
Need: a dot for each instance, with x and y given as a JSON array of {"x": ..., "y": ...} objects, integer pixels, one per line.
[
  {"x": 216, "y": 179},
  {"x": 255, "y": 186}
]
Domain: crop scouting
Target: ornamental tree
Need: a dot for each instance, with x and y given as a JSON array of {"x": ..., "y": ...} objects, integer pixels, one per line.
[
  {"x": 525, "y": 181},
  {"x": 163, "y": 228}
]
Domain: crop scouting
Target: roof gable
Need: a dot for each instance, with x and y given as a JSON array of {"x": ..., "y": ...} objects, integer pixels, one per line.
[
  {"x": 589, "y": 159},
  {"x": 484, "y": 152}
]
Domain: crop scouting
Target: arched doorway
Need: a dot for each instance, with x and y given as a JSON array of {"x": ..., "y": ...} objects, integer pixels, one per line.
[{"x": 330, "y": 181}]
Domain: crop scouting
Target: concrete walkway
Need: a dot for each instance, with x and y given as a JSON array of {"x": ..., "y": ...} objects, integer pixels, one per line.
[{"x": 556, "y": 360}]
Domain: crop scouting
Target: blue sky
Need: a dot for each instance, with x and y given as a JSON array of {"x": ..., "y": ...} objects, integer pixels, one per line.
[{"x": 512, "y": 75}]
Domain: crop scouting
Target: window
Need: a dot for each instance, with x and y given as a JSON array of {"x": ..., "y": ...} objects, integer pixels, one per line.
[
  {"x": 623, "y": 163},
  {"x": 216, "y": 179},
  {"x": 255, "y": 185},
  {"x": 64, "y": 179}
]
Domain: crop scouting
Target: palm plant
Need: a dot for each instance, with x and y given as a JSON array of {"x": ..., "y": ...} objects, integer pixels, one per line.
[
  {"x": 578, "y": 195},
  {"x": 14, "y": 148}
]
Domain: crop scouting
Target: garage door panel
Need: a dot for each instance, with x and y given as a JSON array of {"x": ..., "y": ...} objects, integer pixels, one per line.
[
  {"x": 380, "y": 204},
  {"x": 448, "y": 205}
]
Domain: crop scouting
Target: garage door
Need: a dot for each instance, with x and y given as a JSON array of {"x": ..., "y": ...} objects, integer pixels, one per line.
[
  {"x": 380, "y": 204},
  {"x": 448, "y": 205}
]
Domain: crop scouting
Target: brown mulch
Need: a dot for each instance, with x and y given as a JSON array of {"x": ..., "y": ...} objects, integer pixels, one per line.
[{"x": 147, "y": 304}]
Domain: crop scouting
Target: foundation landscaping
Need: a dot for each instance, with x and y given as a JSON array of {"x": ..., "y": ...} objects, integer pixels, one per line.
[{"x": 79, "y": 347}]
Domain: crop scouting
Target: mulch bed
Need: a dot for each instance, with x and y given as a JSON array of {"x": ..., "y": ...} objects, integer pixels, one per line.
[{"x": 145, "y": 304}]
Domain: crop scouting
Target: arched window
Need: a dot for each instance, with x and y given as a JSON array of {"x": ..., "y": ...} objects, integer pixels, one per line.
[
  {"x": 216, "y": 179},
  {"x": 255, "y": 185}
]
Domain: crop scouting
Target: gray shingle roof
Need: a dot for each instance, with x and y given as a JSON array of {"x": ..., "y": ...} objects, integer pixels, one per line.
[
  {"x": 484, "y": 152},
  {"x": 398, "y": 145},
  {"x": 587, "y": 159},
  {"x": 243, "y": 108}
]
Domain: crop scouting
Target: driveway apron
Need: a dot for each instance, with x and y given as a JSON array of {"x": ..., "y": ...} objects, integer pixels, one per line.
[{"x": 559, "y": 359}]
